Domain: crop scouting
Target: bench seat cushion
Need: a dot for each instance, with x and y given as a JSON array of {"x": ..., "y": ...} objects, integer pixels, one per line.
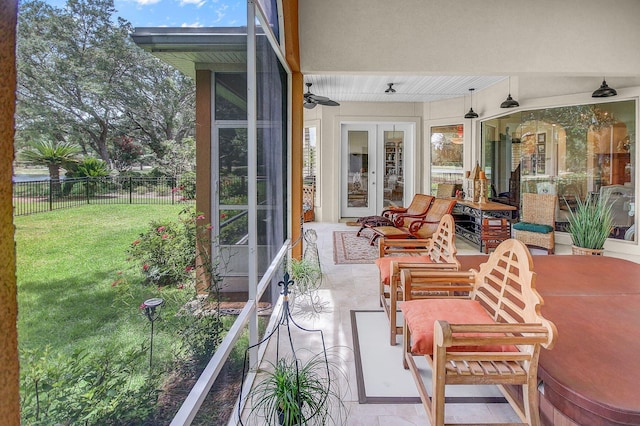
[
  {"x": 384, "y": 264},
  {"x": 421, "y": 315}
]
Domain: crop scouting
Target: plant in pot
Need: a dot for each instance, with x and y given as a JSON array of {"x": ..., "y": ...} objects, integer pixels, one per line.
[
  {"x": 292, "y": 392},
  {"x": 306, "y": 274},
  {"x": 590, "y": 225}
]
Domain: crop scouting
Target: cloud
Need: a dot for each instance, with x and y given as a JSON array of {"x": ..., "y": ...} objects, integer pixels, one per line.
[
  {"x": 194, "y": 25},
  {"x": 197, "y": 3},
  {"x": 220, "y": 12},
  {"x": 146, "y": 2}
]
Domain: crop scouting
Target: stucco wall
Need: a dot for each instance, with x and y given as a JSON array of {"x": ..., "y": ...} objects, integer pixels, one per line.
[
  {"x": 569, "y": 37},
  {"x": 9, "y": 371}
]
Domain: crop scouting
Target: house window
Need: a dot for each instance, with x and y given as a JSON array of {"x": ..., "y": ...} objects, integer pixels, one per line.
[
  {"x": 574, "y": 151},
  {"x": 447, "y": 148}
]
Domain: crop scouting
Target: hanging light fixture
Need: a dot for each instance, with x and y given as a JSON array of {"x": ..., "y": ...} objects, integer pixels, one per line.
[
  {"x": 604, "y": 91},
  {"x": 509, "y": 102},
  {"x": 390, "y": 89},
  {"x": 471, "y": 113}
]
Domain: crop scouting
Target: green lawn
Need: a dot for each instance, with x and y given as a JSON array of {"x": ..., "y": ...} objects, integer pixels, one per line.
[{"x": 67, "y": 261}]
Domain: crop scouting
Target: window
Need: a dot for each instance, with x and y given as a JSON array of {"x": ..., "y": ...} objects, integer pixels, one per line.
[
  {"x": 447, "y": 143},
  {"x": 573, "y": 151}
]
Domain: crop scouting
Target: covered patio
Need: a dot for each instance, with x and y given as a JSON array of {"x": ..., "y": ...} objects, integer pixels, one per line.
[{"x": 349, "y": 290}]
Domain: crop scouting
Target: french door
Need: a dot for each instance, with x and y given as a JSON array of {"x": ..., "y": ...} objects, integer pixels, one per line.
[{"x": 373, "y": 169}]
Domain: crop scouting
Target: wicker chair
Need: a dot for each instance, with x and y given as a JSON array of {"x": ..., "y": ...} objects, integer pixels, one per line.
[{"x": 538, "y": 221}]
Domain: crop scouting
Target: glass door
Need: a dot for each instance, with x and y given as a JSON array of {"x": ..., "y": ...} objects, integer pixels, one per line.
[{"x": 358, "y": 180}]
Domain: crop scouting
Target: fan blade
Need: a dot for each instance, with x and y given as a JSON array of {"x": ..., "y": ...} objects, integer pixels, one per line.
[
  {"x": 329, "y": 102},
  {"x": 317, "y": 98}
]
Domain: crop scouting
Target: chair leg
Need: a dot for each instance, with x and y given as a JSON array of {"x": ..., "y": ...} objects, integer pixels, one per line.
[
  {"x": 393, "y": 313},
  {"x": 373, "y": 238}
]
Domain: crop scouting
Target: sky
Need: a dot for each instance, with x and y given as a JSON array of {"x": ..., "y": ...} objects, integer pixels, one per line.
[{"x": 179, "y": 13}]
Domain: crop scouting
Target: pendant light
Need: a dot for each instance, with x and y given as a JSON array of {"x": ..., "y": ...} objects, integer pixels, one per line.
[
  {"x": 509, "y": 102},
  {"x": 390, "y": 90},
  {"x": 604, "y": 91},
  {"x": 471, "y": 113}
]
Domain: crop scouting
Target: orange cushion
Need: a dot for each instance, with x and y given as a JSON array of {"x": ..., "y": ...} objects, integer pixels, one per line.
[
  {"x": 384, "y": 264},
  {"x": 421, "y": 315}
]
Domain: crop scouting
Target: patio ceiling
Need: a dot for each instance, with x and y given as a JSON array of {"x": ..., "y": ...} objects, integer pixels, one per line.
[{"x": 409, "y": 88}]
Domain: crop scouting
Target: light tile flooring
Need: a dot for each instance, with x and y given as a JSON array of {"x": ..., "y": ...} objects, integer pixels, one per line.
[{"x": 355, "y": 287}]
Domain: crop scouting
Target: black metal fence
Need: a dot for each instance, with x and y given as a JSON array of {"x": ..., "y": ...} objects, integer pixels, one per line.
[{"x": 46, "y": 195}]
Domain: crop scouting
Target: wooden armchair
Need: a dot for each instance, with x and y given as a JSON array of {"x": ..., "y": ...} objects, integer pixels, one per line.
[
  {"x": 398, "y": 216},
  {"x": 414, "y": 227},
  {"x": 537, "y": 221},
  {"x": 488, "y": 331},
  {"x": 438, "y": 252}
]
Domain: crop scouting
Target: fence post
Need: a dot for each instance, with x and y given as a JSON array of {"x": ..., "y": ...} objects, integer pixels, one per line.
[
  {"x": 50, "y": 194},
  {"x": 86, "y": 187},
  {"x": 130, "y": 191}
]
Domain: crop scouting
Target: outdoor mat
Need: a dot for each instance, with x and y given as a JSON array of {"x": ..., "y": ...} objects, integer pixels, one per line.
[
  {"x": 381, "y": 378},
  {"x": 348, "y": 248}
]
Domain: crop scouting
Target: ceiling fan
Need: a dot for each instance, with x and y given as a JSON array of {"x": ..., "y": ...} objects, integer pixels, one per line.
[{"x": 311, "y": 100}]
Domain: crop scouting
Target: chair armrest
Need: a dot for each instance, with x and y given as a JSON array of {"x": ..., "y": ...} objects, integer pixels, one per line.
[
  {"x": 396, "y": 246},
  {"x": 417, "y": 224},
  {"x": 437, "y": 280},
  {"x": 388, "y": 212},
  {"x": 450, "y": 335}
]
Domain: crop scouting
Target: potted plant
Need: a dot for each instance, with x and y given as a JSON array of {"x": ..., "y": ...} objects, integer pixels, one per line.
[
  {"x": 292, "y": 392},
  {"x": 305, "y": 273},
  {"x": 590, "y": 225}
]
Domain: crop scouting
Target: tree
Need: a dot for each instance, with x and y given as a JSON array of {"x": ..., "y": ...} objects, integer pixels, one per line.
[
  {"x": 52, "y": 154},
  {"x": 82, "y": 80}
]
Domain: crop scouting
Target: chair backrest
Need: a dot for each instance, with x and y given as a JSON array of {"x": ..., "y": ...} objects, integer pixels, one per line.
[
  {"x": 445, "y": 190},
  {"x": 420, "y": 204},
  {"x": 418, "y": 208},
  {"x": 426, "y": 227},
  {"x": 505, "y": 287},
  {"x": 539, "y": 209},
  {"x": 442, "y": 246}
]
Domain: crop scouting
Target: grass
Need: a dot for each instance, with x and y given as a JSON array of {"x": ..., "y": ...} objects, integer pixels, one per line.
[{"x": 66, "y": 263}]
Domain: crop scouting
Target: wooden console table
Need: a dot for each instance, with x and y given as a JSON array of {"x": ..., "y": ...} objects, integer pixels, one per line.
[{"x": 468, "y": 216}]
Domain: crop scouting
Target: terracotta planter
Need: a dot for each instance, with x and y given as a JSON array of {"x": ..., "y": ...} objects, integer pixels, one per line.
[{"x": 586, "y": 252}]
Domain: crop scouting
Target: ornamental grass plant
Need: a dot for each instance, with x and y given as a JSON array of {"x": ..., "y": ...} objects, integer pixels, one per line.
[{"x": 591, "y": 223}]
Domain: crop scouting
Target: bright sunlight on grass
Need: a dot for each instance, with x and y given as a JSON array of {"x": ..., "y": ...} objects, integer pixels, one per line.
[{"x": 66, "y": 263}]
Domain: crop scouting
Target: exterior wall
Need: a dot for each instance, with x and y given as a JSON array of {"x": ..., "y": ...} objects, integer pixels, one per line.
[
  {"x": 440, "y": 37},
  {"x": 9, "y": 368}
]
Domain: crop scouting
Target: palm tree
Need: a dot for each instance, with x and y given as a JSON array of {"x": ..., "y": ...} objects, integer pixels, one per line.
[{"x": 52, "y": 154}]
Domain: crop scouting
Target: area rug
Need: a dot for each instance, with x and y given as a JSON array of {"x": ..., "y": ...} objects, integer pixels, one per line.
[
  {"x": 380, "y": 376},
  {"x": 348, "y": 248}
]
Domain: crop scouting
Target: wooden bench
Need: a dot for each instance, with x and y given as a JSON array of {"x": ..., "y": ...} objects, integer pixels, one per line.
[
  {"x": 489, "y": 331},
  {"x": 437, "y": 252}
]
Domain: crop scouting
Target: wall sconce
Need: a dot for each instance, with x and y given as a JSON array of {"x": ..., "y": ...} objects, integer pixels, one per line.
[
  {"x": 604, "y": 91},
  {"x": 509, "y": 102},
  {"x": 471, "y": 113}
]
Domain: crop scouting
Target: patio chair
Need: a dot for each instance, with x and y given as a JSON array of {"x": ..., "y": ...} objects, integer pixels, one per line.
[
  {"x": 488, "y": 333},
  {"x": 416, "y": 228},
  {"x": 537, "y": 221},
  {"x": 398, "y": 216},
  {"x": 438, "y": 252}
]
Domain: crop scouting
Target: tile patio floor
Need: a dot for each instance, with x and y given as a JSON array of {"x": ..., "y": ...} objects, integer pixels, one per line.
[{"x": 355, "y": 287}]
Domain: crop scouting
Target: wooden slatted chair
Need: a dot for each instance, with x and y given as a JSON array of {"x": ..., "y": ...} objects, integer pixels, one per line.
[
  {"x": 492, "y": 336},
  {"x": 416, "y": 228},
  {"x": 439, "y": 252}
]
